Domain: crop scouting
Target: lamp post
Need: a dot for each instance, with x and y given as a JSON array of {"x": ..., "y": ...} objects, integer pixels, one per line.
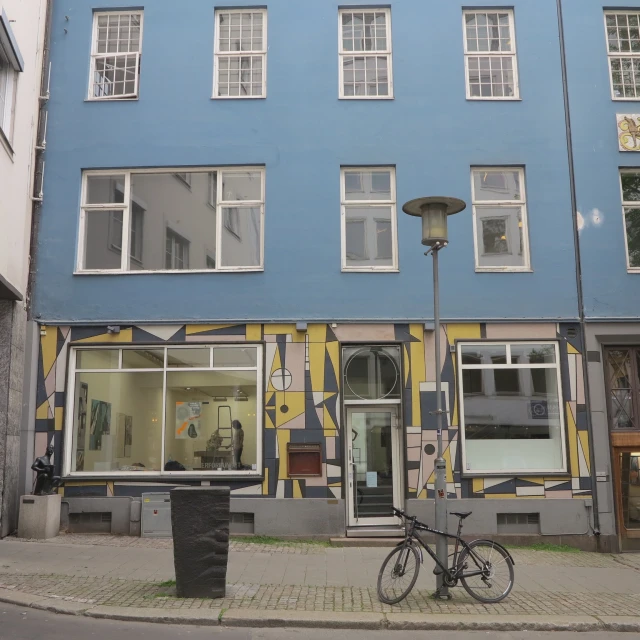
[{"x": 434, "y": 212}]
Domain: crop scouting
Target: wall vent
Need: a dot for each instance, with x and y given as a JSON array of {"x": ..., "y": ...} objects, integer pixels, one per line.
[
  {"x": 242, "y": 523},
  {"x": 99, "y": 522},
  {"x": 518, "y": 523}
]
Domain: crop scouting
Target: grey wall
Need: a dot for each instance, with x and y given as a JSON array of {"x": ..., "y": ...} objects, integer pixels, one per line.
[{"x": 12, "y": 340}]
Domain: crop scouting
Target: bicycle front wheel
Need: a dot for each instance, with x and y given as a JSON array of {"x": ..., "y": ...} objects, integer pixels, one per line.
[
  {"x": 398, "y": 574},
  {"x": 496, "y": 580}
]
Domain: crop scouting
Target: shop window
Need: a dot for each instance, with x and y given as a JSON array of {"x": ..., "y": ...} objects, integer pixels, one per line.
[
  {"x": 511, "y": 414},
  {"x": 304, "y": 459},
  {"x": 162, "y": 410}
]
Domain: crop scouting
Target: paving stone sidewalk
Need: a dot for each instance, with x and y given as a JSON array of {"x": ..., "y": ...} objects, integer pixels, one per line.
[{"x": 130, "y": 572}]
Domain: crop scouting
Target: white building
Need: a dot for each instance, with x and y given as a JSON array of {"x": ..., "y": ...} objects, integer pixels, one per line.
[{"x": 22, "y": 38}]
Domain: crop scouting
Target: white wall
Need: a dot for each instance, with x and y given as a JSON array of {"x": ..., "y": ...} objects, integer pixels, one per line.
[{"x": 27, "y": 23}]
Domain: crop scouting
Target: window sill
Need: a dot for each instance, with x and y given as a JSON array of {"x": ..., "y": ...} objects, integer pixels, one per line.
[
  {"x": 4, "y": 141},
  {"x": 519, "y": 473},
  {"x": 625, "y": 99},
  {"x": 370, "y": 270},
  {"x": 124, "y": 99},
  {"x": 505, "y": 270},
  {"x": 633, "y": 270},
  {"x": 239, "y": 97},
  {"x": 493, "y": 99},
  {"x": 157, "y": 475},
  {"x": 366, "y": 98},
  {"x": 115, "y": 272}
]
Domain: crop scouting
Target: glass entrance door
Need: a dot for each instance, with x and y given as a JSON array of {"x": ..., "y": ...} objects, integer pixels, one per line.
[
  {"x": 374, "y": 474},
  {"x": 628, "y": 497}
]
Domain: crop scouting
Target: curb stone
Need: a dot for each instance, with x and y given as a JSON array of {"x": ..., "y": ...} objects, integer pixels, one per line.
[{"x": 325, "y": 619}]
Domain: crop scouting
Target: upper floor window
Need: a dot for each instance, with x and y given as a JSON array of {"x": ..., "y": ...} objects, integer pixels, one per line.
[
  {"x": 630, "y": 183},
  {"x": 500, "y": 219},
  {"x": 623, "y": 46},
  {"x": 365, "y": 53},
  {"x": 115, "y": 55},
  {"x": 241, "y": 54},
  {"x": 10, "y": 65},
  {"x": 369, "y": 241},
  {"x": 490, "y": 55},
  {"x": 146, "y": 220},
  {"x": 511, "y": 409}
]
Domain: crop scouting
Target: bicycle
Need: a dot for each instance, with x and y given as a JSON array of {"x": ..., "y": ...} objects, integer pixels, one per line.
[{"x": 492, "y": 576}]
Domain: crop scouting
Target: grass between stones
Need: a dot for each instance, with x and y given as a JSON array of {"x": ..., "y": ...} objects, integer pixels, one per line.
[
  {"x": 271, "y": 540},
  {"x": 544, "y": 546}
]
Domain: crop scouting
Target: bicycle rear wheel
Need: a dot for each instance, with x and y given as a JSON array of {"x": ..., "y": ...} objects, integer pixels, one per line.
[
  {"x": 496, "y": 580},
  {"x": 398, "y": 574}
]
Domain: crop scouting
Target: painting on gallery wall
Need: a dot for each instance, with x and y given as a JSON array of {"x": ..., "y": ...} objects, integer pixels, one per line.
[
  {"x": 187, "y": 420},
  {"x": 81, "y": 437},
  {"x": 100, "y": 423},
  {"x": 125, "y": 435}
]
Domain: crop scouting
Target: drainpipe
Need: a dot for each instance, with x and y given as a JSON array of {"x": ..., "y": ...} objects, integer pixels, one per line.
[
  {"x": 576, "y": 242},
  {"x": 40, "y": 146}
]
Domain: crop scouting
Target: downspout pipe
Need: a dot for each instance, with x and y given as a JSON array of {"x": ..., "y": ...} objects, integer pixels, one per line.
[{"x": 578, "y": 261}]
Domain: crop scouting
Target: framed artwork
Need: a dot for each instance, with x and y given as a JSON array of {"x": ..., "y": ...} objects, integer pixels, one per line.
[
  {"x": 187, "y": 420},
  {"x": 100, "y": 424},
  {"x": 124, "y": 434},
  {"x": 80, "y": 460}
]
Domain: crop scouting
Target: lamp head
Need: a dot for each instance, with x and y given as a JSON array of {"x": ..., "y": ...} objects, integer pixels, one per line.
[{"x": 434, "y": 211}]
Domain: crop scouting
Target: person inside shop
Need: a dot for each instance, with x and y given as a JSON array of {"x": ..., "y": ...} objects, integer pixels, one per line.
[{"x": 238, "y": 443}]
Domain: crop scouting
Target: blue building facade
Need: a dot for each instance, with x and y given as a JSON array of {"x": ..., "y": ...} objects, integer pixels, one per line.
[{"x": 229, "y": 292}]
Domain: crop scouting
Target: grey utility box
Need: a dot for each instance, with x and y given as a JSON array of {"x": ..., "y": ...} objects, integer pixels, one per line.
[{"x": 156, "y": 515}]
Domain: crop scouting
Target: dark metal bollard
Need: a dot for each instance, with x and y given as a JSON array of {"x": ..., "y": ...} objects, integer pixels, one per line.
[{"x": 200, "y": 526}]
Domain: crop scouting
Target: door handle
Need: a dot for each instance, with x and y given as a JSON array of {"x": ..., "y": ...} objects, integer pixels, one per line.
[{"x": 355, "y": 490}]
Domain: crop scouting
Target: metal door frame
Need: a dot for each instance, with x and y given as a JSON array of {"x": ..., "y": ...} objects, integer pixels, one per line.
[{"x": 397, "y": 459}]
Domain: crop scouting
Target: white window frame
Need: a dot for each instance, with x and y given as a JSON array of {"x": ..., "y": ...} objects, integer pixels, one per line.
[
  {"x": 95, "y": 56},
  {"x": 12, "y": 61},
  {"x": 126, "y": 208},
  {"x": 628, "y": 204},
  {"x": 388, "y": 52},
  {"x": 557, "y": 365},
  {"x": 177, "y": 240},
  {"x": 499, "y": 204},
  {"x": 634, "y": 55},
  {"x": 344, "y": 203},
  {"x": 217, "y": 54},
  {"x": 70, "y": 404},
  {"x": 499, "y": 54}
]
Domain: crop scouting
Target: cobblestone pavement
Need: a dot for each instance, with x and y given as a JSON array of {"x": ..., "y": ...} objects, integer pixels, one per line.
[{"x": 130, "y": 572}]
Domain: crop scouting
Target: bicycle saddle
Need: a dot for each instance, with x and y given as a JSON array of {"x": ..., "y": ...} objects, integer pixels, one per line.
[{"x": 462, "y": 515}]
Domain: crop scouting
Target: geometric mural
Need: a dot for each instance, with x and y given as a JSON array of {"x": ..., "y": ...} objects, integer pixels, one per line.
[{"x": 303, "y": 403}]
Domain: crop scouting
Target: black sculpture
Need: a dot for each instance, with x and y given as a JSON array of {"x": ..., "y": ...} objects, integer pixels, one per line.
[{"x": 46, "y": 482}]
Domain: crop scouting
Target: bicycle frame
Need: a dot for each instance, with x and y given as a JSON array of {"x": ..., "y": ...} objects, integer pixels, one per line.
[{"x": 453, "y": 573}]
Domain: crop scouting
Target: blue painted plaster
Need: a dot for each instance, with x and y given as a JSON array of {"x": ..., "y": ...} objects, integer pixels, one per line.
[
  {"x": 303, "y": 134},
  {"x": 609, "y": 291}
]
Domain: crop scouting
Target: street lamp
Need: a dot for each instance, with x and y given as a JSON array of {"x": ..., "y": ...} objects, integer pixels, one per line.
[{"x": 434, "y": 212}]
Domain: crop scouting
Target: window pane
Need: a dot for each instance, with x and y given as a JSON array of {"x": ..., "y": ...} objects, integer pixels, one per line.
[
  {"x": 511, "y": 406},
  {"x": 103, "y": 240},
  {"x": 235, "y": 357},
  {"x": 205, "y": 434},
  {"x": 367, "y": 185},
  {"x": 532, "y": 353},
  {"x": 368, "y": 236},
  {"x": 174, "y": 227},
  {"x": 117, "y": 422},
  {"x": 196, "y": 357},
  {"x": 142, "y": 358},
  {"x": 241, "y": 185},
  {"x": 97, "y": 359},
  {"x": 630, "y": 187},
  {"x": 632, "y": 223},
  {"x": 105, "y": 189},
  {"x": 500, "y": 236},
  {"x": 241, "y": 237},
  {"x": 496, "y": 185},
  {"x": 483, "y": 354}
]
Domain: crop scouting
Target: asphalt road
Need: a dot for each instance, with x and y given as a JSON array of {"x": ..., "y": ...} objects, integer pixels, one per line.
[{"x": 22, "y": 623}]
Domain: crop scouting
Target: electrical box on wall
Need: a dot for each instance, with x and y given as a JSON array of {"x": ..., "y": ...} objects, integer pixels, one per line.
[{"x": 156, "y": 515}]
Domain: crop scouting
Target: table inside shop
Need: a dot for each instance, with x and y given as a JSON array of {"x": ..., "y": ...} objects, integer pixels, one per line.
[{"x": 214, "y": 459}]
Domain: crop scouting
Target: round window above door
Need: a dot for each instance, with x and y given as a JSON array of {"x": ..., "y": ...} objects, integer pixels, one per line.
[{"x": 372, "y": 373}]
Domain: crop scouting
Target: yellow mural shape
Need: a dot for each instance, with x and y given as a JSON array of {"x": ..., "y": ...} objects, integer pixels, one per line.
[
  {"x": 317, "y": 332},
  {"x": 59, "y": 413},
  {"x": 254, "y": 332},
  {"x": 571, "y": 349},
  {"x": 418, "y": 371},
  {"x": 584, "y": 441},
  {"x": 284, "y": 329},
  {"x": 284, "y": 436},
  {"x": 478, "y": 485},
  {"x": 43, "y": 411},
  {"x": 297, "y": 491},
  {"x": 125, "y": 335},
  {"x": 194, "y": 329},
  {"x": 462, "y": 330},
  {"x": 316, "y": 365},
  {"x": 265, "y": 482},
  {"x": 572, "y": 435},
  {"x": 294, "y": 401}
]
